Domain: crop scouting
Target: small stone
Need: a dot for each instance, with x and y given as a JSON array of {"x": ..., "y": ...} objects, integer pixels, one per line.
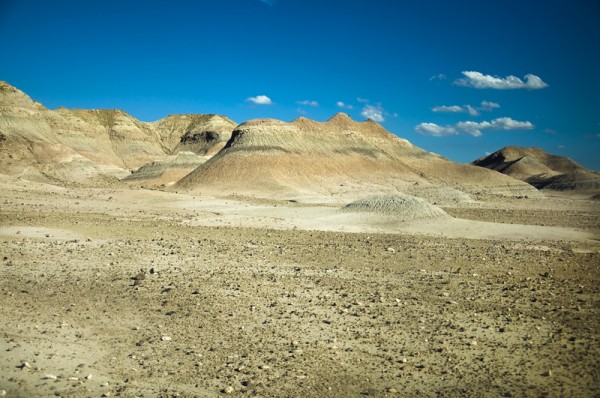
[
  {"x": 547, "y": 373},
  {"x": 473, "y": 343},
  {"x": 264, "y": 367},
  {"x": 25, "y": 365},
  {"x": 2, "y": 393},
  {"x": 392, "y": 390},
  {"x": 140, "y": 276},
  {"x": 247, "y": 383},
  {"x": 391, "y": 250},
  {"x": 50, "y": 377},
  {"x": 73, "y": 378},
  {"x": 227, "y": 390},
  {"x": 166, "y": 338},
  {"x": 89, "y": 376}
]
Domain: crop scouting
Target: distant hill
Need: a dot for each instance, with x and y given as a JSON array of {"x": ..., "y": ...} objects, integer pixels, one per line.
[
  {"x": 541, "y": 169},
  {"x": 340, "y": 157},
  {"x": 94, "y": 146}
]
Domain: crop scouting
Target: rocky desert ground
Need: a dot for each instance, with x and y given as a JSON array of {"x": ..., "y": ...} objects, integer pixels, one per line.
[{"x": 131, "y": 292}]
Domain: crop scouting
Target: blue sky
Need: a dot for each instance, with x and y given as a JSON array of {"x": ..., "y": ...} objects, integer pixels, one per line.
[{"x": 459, "y": 78}]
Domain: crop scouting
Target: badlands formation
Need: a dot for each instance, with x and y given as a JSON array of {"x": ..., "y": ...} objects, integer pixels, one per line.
[
  {"x": 542, "y": 170},
  {"x": 194, "y": 257}
]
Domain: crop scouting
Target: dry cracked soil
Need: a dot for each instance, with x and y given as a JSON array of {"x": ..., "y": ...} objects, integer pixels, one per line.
[{"x": 100, "y": 300}]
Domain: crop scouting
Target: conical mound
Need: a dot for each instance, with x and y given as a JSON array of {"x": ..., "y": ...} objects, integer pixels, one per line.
[{"x": 399, "y": 207}]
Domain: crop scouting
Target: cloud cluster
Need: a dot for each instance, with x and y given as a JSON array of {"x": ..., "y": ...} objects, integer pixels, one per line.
[
  {"x": 368, "y": 111},
  {"x": 308, "y": 103},
  {"x": 374, "y": 113},
  {"x": 489, "y": 106},
  {"x": 473, "y": 111},
  {"x": 342, "y": 105},
  {"x": 260, "y": 100},
  {"x": 479, "y": 80},
  {"x": 472, "y": 128},
  {"x": 439, "y": 76},
  {"x": 456, "y": 109}
]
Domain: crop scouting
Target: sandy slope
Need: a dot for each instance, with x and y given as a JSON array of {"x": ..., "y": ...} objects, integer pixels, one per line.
[{"x": 269, "y": 298}]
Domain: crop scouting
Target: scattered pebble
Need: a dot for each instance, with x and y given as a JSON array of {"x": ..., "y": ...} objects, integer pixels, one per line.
[
  {"x": 166, "y": 338},
  {"x": 50, "y": 377}
]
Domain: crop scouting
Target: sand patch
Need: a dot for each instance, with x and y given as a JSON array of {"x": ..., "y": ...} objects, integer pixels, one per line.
[{"x": 39, "y": 232}]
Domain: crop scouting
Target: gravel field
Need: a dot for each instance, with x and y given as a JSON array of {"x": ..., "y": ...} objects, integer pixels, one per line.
[{"x": 111, "y": 302}]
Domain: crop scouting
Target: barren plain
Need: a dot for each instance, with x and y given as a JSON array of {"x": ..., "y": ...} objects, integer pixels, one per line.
[{"x": 131, "y": 292}]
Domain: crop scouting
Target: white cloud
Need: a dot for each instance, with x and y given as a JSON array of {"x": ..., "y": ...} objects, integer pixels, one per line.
[
  {"x": 439, "y": 76},
  {"x": 308, "y": 103},
  {"x": 451, "y": 109},
  {"x": 472, "y": 128},
  {"x": 489, "y": 106},
  {"x": 340, "y": 104},
  {"x": 456, "y": 109},
  {"x": 479, "y": 80},
  {"x": 362, "y": 100},
  {"x": 471, "y": 111},
  {"x": 435, "y": 130},
  {"x": 506, "y": 123},
  {"x": 260, "y": 100},
  {"x": 374, "y": 113}
]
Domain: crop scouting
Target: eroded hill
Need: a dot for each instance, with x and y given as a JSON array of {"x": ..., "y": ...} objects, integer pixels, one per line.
[
  {"x": 541, "y": 169},
  {"x": 92, "y": 146},
  {"x": 340, "y": 157}
]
